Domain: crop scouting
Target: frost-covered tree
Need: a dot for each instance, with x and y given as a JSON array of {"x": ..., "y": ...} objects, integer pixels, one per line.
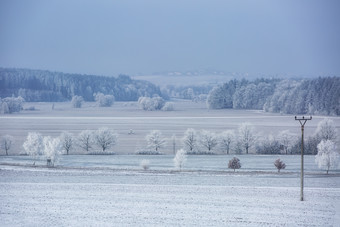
[
  {"x": 208, "y": 140},
  {"x": 77, "y": 101},
  {"x": 234, "y": 163},
  {"x": 33, "y": 145},
  {"x": 226, "y": 138},
  {"x": 155, "y": 140},
  {"x": 279, "y": 164},
  {"x": 4, "y": 108},
  {"x": 67, "y": 141},
  {"x": 327, "y": 157},
  {"x": 286, "y": 138},
  {"x": 246, "y": 136},
  {"x": 326, "y": 130},
  {"x": 180, "y": 158},
  {"x": 150, "y": 104},
  {"x": 105, "y": 138},
  {"x": 52, "y": 150},
  {"x": 269, "y": 145},
  {"x": 7, "y": 142},
  {"x": 104, "y": 100},
  {"x": 168, "y": 106},
  {"x": 190, "y": 140},
  {"x": 85, "y": 140},
  {"x": 12, "y": 104}
]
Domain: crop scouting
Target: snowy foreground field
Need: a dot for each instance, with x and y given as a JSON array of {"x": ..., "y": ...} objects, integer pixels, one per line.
[{"x": 206, "y": 193}]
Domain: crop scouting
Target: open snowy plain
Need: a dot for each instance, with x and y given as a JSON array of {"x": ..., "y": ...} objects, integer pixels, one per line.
[
  {"x": 81, "y": 192},
  {"x": 113, "y": 190}
]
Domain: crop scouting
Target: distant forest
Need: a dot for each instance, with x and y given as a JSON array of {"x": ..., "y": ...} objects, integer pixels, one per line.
[
  {"x": 46, "y": 86},
  {"x": 310, "y": 96},
  {"x": 288, "y": 96}
]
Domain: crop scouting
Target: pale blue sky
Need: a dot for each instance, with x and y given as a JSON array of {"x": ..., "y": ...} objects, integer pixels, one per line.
[{"x": 300, "y": 37}]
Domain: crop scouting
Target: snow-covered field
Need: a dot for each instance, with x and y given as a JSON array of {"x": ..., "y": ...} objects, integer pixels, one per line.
[
  {"x": 87, "y": 190},
  {"x": 82, "y": 192},
  {"x": 101, "y": 197},
  {"x": 122, "y": 117}
]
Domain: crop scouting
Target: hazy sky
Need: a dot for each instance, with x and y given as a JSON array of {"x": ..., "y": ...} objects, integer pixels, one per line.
[{"x": 144, "y": 36}]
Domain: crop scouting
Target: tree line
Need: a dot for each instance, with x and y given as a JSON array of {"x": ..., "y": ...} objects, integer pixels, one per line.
[
  {"x": 243, "y": 141},
  {"x": 313, "y": 96},
  {"x": 46, "y": 86}
]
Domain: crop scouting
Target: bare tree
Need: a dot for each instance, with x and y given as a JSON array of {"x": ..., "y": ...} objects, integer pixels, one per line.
[
  {"x": 7, "y": 142},
  {"x": 155, "y": 140},
  {"x": 279, "y": 164},
  {"x": 208, "y": 140},
  {"x": 234, "y": 163},
  {"x": 226, "y": 138},
  {"x": 67, "y": 140},
  {"x": 246, "y": 136},
  {"x": 190, "y": 140},
  {"x": 105, "y": 138}
]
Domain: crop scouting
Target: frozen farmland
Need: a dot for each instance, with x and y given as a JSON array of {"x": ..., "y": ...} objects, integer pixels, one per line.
[{"x": 149, "y": 190}]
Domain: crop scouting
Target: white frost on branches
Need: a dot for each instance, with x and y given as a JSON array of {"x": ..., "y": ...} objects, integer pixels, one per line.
[
  {"x": 155, "y": 140},
  {"x": 105, "y": 138},
  {"x": 67, "y": 141},
  {"x": 180, "y": 158},
  {"x": 33, "y": 145},
  {"x": 85, "y": 140},
  {"x": 52, "y": 149},
  {"x": 327, "y": 157},
  {"x": 208, "y": 140},
  {"x": 326, "y": 130},
  {"x": 190, "y": 140}
]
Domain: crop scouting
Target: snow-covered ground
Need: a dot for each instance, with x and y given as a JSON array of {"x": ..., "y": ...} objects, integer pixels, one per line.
[
  {"x": 87, "y": 190},
  {"x": 81, "y": 194},
  {"x": 125, "y": 116}
]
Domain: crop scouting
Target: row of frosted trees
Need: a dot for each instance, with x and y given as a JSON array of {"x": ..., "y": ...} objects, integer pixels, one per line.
[{"x": 244, "y": 140}]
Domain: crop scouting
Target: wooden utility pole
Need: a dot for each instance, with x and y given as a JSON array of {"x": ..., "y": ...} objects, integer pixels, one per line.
[{"x": 302, "y": 121}]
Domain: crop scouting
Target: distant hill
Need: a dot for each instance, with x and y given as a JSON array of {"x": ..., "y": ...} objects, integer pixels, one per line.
[{"x": 47, "y": 86}]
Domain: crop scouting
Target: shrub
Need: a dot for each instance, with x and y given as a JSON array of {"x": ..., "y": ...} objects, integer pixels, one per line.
[
  {"x": 145, "y": 164},
  {"x": 234, "y": 163},
  {"x": 279, "y": 165}
]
